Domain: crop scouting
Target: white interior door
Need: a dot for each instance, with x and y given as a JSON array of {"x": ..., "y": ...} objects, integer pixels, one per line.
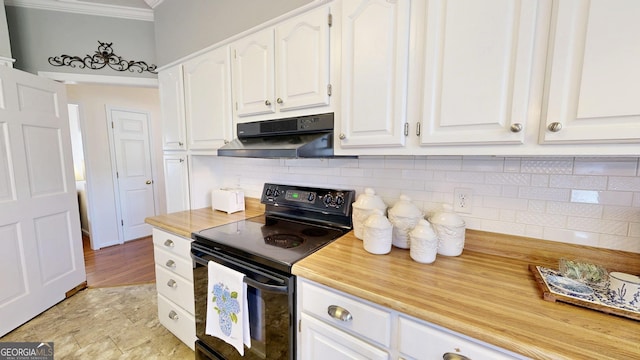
[
  {"x": 41, "y": 257},
  {"x": 132, "y": 155}
]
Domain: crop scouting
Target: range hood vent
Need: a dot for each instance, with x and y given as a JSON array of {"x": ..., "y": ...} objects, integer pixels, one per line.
[{"x": 296, "y": 137}]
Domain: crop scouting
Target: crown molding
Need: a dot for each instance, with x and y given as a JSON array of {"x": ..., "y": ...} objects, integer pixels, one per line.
[
  {"x": 74, "y": 78},
  {"x": 81, "y": 7}
]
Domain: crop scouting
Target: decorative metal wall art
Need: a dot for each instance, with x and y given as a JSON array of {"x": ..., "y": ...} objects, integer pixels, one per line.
[{"x": 104, "y": 56}]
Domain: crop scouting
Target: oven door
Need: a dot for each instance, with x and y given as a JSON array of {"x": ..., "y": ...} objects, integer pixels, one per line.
[{"x": 270, "y": 299}]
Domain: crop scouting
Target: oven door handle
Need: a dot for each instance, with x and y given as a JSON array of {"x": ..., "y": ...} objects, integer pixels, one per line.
[
  {"x": 251, "y": 282},
  {"x": 265, "y": 287}
]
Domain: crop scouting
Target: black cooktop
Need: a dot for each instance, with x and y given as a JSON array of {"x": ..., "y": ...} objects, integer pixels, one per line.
[{"x": 270, "y": 241}]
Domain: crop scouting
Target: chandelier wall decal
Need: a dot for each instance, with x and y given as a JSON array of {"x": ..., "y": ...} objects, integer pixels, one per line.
[{"x": 104, "y": 56}]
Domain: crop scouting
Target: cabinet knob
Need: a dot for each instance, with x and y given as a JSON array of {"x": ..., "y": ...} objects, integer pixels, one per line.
[
  {"x": 342, "y": 136},
  {"x": 181, "y": 160},
  {"x": 180, "y": 143},
  {"x": 169, "y": 243},
  {"x": 279, "y": 101},
  {"x": 267, "y": 103},
  {"x": 171, "y": 264},
  {"x": 555, "y": 127},
  {"x": 172, "y": 283},
  {"x": 340, "y": 313},
  {"x": 516, "y": 128},
  {"x": 226, "y": 141},
  {"x": 173, "y": 315},
  {"x": 454, "y": 356}
]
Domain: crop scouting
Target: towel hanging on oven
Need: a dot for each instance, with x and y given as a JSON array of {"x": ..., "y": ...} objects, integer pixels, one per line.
[{"x": 227, "y": 307}]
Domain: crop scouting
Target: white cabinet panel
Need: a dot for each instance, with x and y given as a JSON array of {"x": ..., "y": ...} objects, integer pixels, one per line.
[
  {"x": 593, "y": 73},
  {"x": 322, "y": 341},
  {"x": 375, "y": 55},
  {"x": 207, "y": 93},
  {"x": 171, "y": 89},
  {"x": 177, "y": 320},
  {"x": 253, "y": 74},
  {"x": 479, "y": 67},
  {"x": 176, "y": 177},
  {"x": 302, "y": 61}
]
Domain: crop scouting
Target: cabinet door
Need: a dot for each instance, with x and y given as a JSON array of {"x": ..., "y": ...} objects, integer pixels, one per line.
[
  {"x": 321, "y": 341},
  {"x": 253, "y": 74},
  {"x": 170, "y": 83},
  {"x": 480, "y": 63},
  {"x": 302, "y": 61},
  {"x": 375, "y": 54},
  {"x": 176, "y": 177},
  {"x": 207, "y": 92},
  {"x": 594, "y": 73}
]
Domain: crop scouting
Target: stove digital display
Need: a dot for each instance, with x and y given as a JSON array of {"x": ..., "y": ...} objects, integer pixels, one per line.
[{"x": 300, "y": 196}]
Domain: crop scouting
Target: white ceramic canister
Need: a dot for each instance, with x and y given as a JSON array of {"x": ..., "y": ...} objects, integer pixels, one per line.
[
  {"x": 450, "y": 228},
  {"x": 404, "y": 216},
  {"x": 424, "y": 243},
  {"x": 363, "y": 207},
  {"x": 377, "y": 233}
]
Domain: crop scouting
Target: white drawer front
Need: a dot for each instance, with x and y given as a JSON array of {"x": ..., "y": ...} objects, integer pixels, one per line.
[
  {"x": 175, "y": 288},
  {"x": 178, "y": 321},
  {"x": 172, "y": 243},
  {"x": 174, "y": 263},
  {"x": 367, "y": 321},
  {"x": 422, "y": 341}
]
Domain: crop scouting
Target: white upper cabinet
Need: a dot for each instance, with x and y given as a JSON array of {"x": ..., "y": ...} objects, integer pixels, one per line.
[
  {"x": 283, "y": 68},
  {"x": 593, "y": 93},
  {"x": 207, "y": 97},
  {"x": 375, "y": 56},
  {"x": 170, "y": 83},
  {"x": 480, "y": 62}
]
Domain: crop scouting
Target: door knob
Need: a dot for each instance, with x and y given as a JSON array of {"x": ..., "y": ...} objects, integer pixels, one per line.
[{"x": 149, "y": 182}]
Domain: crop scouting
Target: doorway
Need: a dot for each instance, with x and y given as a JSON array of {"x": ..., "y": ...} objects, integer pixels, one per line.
[{"x": 132, "y": 169}]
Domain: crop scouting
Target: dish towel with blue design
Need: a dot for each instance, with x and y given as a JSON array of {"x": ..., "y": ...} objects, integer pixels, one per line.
[{"x": 227, "y": 308}]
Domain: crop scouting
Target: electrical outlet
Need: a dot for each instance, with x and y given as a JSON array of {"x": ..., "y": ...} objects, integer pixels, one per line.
[{"x": 462, "y": 200}]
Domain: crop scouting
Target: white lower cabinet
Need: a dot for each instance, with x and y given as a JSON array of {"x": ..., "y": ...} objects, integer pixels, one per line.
[
  {"x": 174, "y": 282},
  {"x": 336, "y": 325}
]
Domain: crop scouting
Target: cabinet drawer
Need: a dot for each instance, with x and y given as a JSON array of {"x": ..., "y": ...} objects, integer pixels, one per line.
[
  {"x": 177, "y": 320},
  {"x": 172, "y": 243},
  {"x": 174, "y": 263},
  {"x": 366, "y": 320},
  {"x": 175, "y": 288},
  {"x": 418, "y": 340}
]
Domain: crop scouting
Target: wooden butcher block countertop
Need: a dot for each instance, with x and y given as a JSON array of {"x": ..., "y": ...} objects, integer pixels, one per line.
[
  {"x": 183, "y": 223},
  {"x": 487, "y": 293}
]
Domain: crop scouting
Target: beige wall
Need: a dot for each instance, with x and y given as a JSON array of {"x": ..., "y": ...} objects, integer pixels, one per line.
[{"x": 93, "y": 100}]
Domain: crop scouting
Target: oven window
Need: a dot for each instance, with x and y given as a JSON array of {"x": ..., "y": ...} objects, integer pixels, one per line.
[{"x": 270, "y": 318}]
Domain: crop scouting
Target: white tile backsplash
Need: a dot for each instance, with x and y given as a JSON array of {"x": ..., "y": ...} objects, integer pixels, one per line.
[{"x": 588, "y": 201}]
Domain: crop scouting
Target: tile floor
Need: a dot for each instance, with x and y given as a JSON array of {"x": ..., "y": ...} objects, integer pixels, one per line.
[{"x": 105, "y": 323}]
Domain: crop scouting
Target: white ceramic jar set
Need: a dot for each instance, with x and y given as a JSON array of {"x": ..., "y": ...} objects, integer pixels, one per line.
[{"x": 406, "y": 228}]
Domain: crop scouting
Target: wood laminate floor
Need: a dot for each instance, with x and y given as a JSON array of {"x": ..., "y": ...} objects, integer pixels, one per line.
[{"x": 130, "y": 263}]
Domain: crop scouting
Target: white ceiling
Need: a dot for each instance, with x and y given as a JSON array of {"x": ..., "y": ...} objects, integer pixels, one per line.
[{"x": 128, "y": 9}]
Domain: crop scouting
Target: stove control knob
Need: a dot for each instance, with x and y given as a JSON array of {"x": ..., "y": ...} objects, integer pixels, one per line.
[
  {"x": 328, "y": 199},
  {"x": 311, "y": 197},
  {"x": 339, "y": 199},
  {"x": 268, "y": 192},
  {"x": 276, "y": 193}
]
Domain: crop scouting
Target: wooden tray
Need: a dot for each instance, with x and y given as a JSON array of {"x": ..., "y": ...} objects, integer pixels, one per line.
[{"x": 591, "y": 302}]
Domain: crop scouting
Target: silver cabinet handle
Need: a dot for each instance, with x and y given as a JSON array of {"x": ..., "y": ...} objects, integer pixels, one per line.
[
  {"x": 516, "y": 128},
  {"x": 180, "y": 143},
  {"x": 171, "y": 264},
  {"x": 172, "y": 284},
  {"x": 279, "y": 101},
  {"x": 267, "y": 103},
  {"x": 555, "y": 127},
  {"x": 181, "y": 160},
  {"x": 340, "y": 313},
  {"x": 342, "y": 136},
  {"x": 418, "y": 129},
  {"x": 454, "y": 356},
  {"x": 173, "y": 315},
  {"x": 226, "y": 141},
  {"x": 169, "y": 243}
]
